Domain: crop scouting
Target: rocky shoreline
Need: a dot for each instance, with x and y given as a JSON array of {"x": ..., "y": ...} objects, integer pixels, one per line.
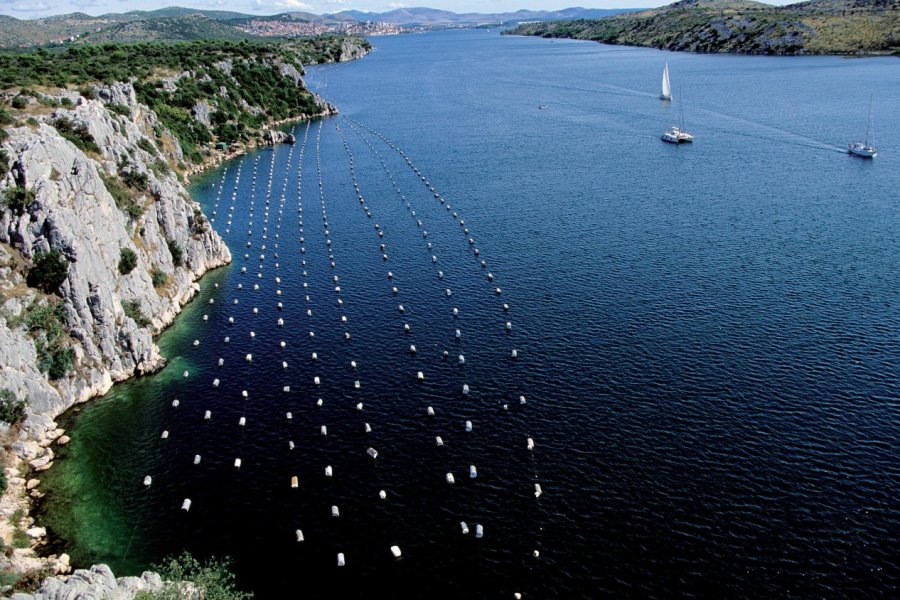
[{"x": 73, "y": 211}]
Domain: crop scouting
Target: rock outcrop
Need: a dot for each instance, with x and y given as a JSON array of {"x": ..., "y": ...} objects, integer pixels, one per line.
[
  {"x": 75, "y": 213},
  {"x": 96, "y": 583}
]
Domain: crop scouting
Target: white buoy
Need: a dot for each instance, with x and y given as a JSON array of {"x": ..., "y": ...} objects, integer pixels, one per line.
[
  {"x": 521, "y": 399},
  {"x": 449, "y": 292},
  {"x": 382, "y": 494},
  {"x": 537, "y": 490},
  {"x": 473, "y": 472},
  {"x": 457, "y": 334},
  {"x": 462, "y": 359},
  {"x": 412, "y": 348},
  {"x": 372, "y": 452},
  {"x": 506, "y": 307},
  {"x": 244, "y": 393},
  {"x": 242, "y": 421},
  {"x": 290, "y": 445},
  {"x": 148, "y": 480},
  {"x": 299, "y": 535},
  {"x": 406, "y": 327},
  {"x": 237, "y": 463},
  {"x": 249, "y": 358},
  {"x": 469, "y": 426},
  {"x": 430, "y": 411},
  {"x": 206, "y": 317},
  {"x": 186, "y": 505},
  {"x": 185, "y": 374},
  {"x": 289, "y": 416},
  {"x": 328, "y": 471},
  {"x": 509, "y": 326},
  {"x": 252, "y": 334},
  {"x": 498, "y": 291},
  {"x": 455, "y": 312},
  {"x": 335, "y": 512},
  {"x": 316, "y": 380},
  {"x": 340, "y": 559},
  {"x": 400, "y": 307},
  {"x": 515, "y": 353},
  {"x": 352, "y": 364},
  {"x": 207, "y": 415},
  {"x": 395, "y": 551},
  {"x": 282, "y": 343},
  {"x": 315, "y": 356},
  {"x": 283, "y": 365},
  {"x": 227, "y": 339},
  {"x": 319, "y": 402},
  {"x": 359, "y": 406},
  {"x": 438, "y": 441},
  {"x": 175, "y": 403},
  {"x": 440, "y": 274},
  {"x": 281, "y": 322},
  {"x": 356, "y": 385},
  {"x": 165, "y": 434},
  {"x": 465, "y": 388},
  {"x": 221, "y": 361},
  {"x": 450, "y": 478},
  {"x": 530, "y": 444},
  {"x": 420, "y": 376},
  {"x": 196, "y": 459},
  {"x": 324, "y": 430},
  {"x": 464, "y": 527},
  {"x": 479, "y": 531}
]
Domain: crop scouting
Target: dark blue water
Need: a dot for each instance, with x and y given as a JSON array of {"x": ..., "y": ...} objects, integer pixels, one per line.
[{"x": 706, "y": 337}]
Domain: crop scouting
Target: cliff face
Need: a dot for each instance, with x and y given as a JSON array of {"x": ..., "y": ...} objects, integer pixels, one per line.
[{"x": 75, "y": 213}]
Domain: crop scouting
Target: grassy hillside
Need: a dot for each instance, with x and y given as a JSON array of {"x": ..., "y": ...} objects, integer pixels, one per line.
[
  {"x": 166, "y": 29},
  {"x": 738, "y": 26}
]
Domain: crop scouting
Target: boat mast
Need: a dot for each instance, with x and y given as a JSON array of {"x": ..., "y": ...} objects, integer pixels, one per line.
[{"x": 869, "y": 128}]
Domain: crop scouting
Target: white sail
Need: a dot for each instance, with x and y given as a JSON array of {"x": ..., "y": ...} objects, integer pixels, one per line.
[{"x": 666, "y": 93}]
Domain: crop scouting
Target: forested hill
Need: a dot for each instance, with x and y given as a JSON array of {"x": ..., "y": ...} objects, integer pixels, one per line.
[{"x": 744, "y": 27}]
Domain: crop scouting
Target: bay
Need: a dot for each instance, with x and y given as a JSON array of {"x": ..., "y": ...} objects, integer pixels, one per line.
[{"x": 706, "y": 338}]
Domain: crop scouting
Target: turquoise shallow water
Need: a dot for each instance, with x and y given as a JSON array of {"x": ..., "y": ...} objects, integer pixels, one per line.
[{"x": 706, "y": 339}]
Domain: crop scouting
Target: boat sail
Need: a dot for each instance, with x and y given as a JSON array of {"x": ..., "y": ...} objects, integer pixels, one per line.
[
  {"x": 865, "y": 149},
  {"x": 676, "y": 133},
  {"x": 666, "y": 93}
]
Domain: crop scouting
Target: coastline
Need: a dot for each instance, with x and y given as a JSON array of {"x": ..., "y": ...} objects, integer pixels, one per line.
[{"x": 31, "y": 442}]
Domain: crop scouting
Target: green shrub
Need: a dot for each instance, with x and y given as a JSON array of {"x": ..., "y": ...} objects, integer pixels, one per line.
[
  {"x": 127, "y": 261},
  {"x": 78, "y": 134},
  {"x": 20, "y": 539},
  {"x": 48, "y": 272},
  {"x": 16, "y": 198},
  {"x": 123, "y": 197},
  {"x": 30, "y": 580},
  {"x": 12, "y": 410},
  {"x": 135, "y": 179},
  {"x": 147, "y": 146},
  {"x": 46, "y": 322},
  {"x": 56, "y": 362},
  {"x": 119, "y": 109},
  {"x": 158, "y": 277},
  {"x": 67, "y": 102},
  {"x": 133, "y": 311},
  {"x": 4, "y": 135},
  {"x": 160, "y": 167},
  {"x": 3, "y": 484},
  {"x": 176, "y": 252},
  {"x": 213, "y": 579},
  {"x": 19, "y": 102},
  {"x": 5, "y": 117}
]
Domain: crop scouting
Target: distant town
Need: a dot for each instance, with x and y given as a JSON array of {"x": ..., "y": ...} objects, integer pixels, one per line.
[{"x": 282, "y": 28}]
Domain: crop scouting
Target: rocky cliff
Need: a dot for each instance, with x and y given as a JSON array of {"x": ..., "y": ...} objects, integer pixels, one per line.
[{"x": 75, "y": 212}]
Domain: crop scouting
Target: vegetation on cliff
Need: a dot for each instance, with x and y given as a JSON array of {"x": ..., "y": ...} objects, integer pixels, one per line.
[
  {"x": 203, "y": 92},
  {"x": 745, "y": 27}
]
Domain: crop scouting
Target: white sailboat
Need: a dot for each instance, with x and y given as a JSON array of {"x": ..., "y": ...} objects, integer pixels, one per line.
[
  {"x": 666, "y": 93},
  {"x": 865, "y": 149},
  {"x": 676, "y": 133}
]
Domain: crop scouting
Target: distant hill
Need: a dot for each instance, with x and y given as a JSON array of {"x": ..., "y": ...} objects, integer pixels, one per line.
[
  {"x": 167, "y": 29},
  {"x": 434, "y": 17},
  {"x": 163, "y": 24},
  {"x": 745, "y": 27}
]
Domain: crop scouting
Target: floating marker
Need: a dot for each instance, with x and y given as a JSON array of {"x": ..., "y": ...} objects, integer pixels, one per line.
[
  {"x": 299, "y": 534},
  {"x": 537, "y": 490},
  {"x": 335, "y": 512},
  {"x": 244, "y": 393},
  {"x": 295, "y": 483},
  {"x": 420, "y": 376},
  {"x": 221, "y": 361},
  {"x": 315, "y": 356},
  {"x": 340, "y": 559},
  {"x": 207, "y": 415},
  {"x": 473, "y": 472},
  {"x": 328, "y": 471},
  {"x": 175, "y": 403},
  {"x": 186, "y": 505},
  {"x": 316, "y": 380},
  {"x": 237, "y": 463},
  {"x": 185, "y": 374},
  {"x": 165, "y": 434},
  {"x": 359, "y": 406},
  {"x": 438, "y": 441},
  {"x": 515, "y": 353},
  {"x": 319, "y": 402},
  {"x": 465, "y": 388},
  {"x": 530, "y": 444},
  {"x": 356, "y": 384},
  {"x": 290, "y": 445},
  {"x": 323, "y": 430},
  {"x": 462, "y": 359},
  {"x": 148, "y": 480},
  {"x": 372, "y": 452},
  {"x": 353, "y": 364},
  {"x": 283, "y": 365},
  {"x": 395, "y": 551},
  {"x": 479, "y": 531},
  {"x": 368, "y": 428},
  {"x": 242, "y": 421},
  {"x": 382, "y": 494},
  {"x": 430, "y": 411},
  {"x": 464, "y": 527},
  {"x": 249, "y": 358},
  {"x": 521, "y": 399},
  {"x": 450, "y": 479},
  {"x": 412, "y": 348},
  {"x": 509, "y": 326},
  {"x": 289, "y": 416},
  {"x": 196, "y": 459}
]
